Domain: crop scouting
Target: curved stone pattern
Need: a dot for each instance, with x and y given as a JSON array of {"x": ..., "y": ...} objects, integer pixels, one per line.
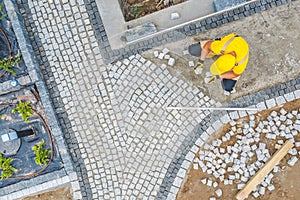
[
  {"x": 123, "y": 143},
  {"x": 115, "y": 113},
  {"x": 262, "y": 100}
]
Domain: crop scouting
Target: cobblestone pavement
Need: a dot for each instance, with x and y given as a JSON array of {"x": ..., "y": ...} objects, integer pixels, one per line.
[
  {"x": 121, "y": 138},
  {"x": 126, "y": 140}
]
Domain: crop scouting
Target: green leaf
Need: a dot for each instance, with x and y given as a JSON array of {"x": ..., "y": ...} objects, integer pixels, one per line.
[
  {"x": 24, "y": 109},
  {"x": 41, "y": 154},
  {"x": 6, "y": 167}
]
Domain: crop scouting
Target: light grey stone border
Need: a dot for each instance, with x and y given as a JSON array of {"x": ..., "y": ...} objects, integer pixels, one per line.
[
  {"x": 67, "y": 174},
  {"x": 188, "y": 160}
]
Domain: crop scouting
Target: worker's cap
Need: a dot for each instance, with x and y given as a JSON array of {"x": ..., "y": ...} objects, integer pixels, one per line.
[{"x": 223, "y": 64}]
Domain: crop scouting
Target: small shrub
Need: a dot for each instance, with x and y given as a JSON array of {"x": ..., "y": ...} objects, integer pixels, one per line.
[
  {"x": 24, "y": 109},
  {"x": 136, "y": 11},
  {"x": 6, "y": 167},
  {"x": 3, "y": 15},
  {"x": 9, "y": 62},
  {"x": 41, "y": 154}
]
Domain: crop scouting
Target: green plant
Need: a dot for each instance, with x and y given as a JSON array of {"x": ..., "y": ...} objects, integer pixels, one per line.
[
  {"x": 41, "y": 154},
  {"x": 6, "y": 167},
  {"x": 9, "y": 62},
  {"x": 136, "y": 11},
  {"x": 24, "y": 109},
  {"x": 1, "y": 8}
]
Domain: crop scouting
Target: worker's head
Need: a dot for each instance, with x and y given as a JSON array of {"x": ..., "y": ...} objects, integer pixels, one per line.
[{"x": 223, "y": 64}]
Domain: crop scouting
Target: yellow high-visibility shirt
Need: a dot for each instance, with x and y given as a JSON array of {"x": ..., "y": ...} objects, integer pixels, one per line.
[{"x": 238, "y": 45}]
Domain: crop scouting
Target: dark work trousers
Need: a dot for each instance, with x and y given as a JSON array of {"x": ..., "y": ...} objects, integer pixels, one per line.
[{"x": 228, "y": 84}]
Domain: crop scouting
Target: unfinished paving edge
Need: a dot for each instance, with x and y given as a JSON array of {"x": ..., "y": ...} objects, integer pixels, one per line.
[
  {"x": 190, "y": 29},
  {"x": 227, "y": 118},
  {"x": 67, "y": 174}
]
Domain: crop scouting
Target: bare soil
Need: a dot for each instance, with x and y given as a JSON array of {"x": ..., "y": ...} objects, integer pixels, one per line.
[
  {"x": 286, "y": 181},
  {"x": 133, "y": 9},
  {"x": 59, "y": 194}
]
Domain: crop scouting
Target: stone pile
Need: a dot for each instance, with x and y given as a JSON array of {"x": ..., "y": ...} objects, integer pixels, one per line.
[
  {"x": 163, "y": 55},
  {"x": 237, "y": 155}
]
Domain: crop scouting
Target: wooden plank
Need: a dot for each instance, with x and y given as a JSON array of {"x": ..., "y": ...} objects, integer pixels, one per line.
[{"x": 260, "y": 175}]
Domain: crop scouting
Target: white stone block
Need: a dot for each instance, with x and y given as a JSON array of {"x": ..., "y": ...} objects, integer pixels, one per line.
[
  {"x": 204, "y": 180},
  {"x": 219, "y": 192},
  {"x": 206, "y": 146},
  {"x": 240, "y": 186},
  {"x": 212, "y": 198},
  {"x": 264, "y": 184},
  {"x": 222, "y": 150},
  {"x": 293, "y": 161},
  {"x": 199, "y": 142},
  {"x": 209, "y": 183},
  {"x": 167, "y": 57},
  {"x": 244, "y": 179},
  {"x": 221, "y": 178},
  {"x": 273, "y": 113},
  {"x": 271, "y": 136},
  {"x": 165, "y": 50},
  {"x": 195, "y": 166},
  {"x": 155, "y": 54},
  {"x": 262, "y": 146},
  {"x": 262, "y": 190},
  {"x": 191, "y": 63},
  {"x": 237, "y": 176},
  {"x": 271, "y": 187},
  {"x": 225, "y": 182},
  {"x": 221, "y": 171},
  {"x": 161, "y": 56},
  {"x": 216, "y": 174},
  {"x": 297, "y": 144},
  {"x": 275, "y": 169},
  {"x": 293, "y": 151},
  {"x": 215, "y": 184},
  {"x": 255, "y": 194},
  {"x": 209, "y": 171},
  {"x": 171, "y": 62},
  {"x": 185, "y": 52}
]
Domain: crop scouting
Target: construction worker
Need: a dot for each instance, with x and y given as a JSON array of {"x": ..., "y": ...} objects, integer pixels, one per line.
[{"x": 233, "y": 54}]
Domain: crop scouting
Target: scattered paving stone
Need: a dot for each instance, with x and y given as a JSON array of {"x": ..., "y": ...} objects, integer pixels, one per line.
[
  {"x": 171, "y": 62},
  {"x": 219, "y": 192},
  {"x": 156, "y": 53},
  {"x": 161, "y": 56},
  {"x": 165, "y": 50},
  {"x": 255, "y": 194},
  {"x": 191, "y": 63},
  {"x": 293, "y": 161}
]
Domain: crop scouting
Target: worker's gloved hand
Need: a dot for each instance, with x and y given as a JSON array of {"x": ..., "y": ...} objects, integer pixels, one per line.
[
  {"x": 199, "y": 67},
  {"x": 210, "y": 79}
]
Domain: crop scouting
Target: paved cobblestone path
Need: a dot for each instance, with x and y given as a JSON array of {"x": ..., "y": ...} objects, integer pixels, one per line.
[{"x": 121, "y": 138}]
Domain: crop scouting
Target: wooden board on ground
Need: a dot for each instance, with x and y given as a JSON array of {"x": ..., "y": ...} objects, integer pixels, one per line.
[{"x": 260, "y": 175}]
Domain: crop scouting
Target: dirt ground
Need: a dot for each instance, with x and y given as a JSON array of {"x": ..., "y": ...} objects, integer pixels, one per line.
[
  {"x": 59, "y": 194},
  {"x": 133, "y": 9},
  {"x": 286, "y": 182},
  {"x": 274, "y": 43}
]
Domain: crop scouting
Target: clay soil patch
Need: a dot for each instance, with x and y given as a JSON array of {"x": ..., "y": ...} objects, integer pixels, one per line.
[
  {"x": 286, "y": 181},
  {"x": 133, "y": 9},
  {"x": 60, "y": 194}
]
